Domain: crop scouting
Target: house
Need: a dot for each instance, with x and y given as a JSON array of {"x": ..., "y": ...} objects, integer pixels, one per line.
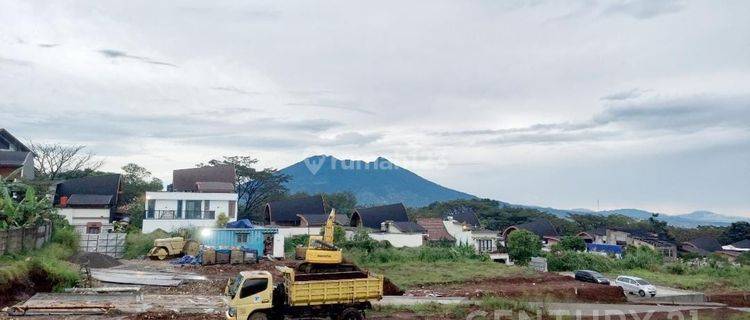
[
  {"x": 436, "y": 230},
  {"x": 597, "y": 236},
  {"x": 373, "y": 217},
  {"x": 15, "y": 158},
  {"x": 196, "y": 198},
  {"x": 666, "y": 248},
  {"x": 467, "y": 231},
  {"x": 739, "y": 246},
  {"x": 90, "y": 203},
  {"x": 541, "y": 227},
  {"x": 702, "y": 246},
  {"x": 389, "y": 223},
  {"x": 287, "y": 213}
]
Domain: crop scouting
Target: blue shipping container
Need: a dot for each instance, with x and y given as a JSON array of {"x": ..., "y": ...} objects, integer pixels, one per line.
[{"x": 226, "y": 238}]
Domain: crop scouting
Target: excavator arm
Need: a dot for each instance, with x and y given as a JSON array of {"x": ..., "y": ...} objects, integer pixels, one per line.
[{"x": 328, "y": 232}]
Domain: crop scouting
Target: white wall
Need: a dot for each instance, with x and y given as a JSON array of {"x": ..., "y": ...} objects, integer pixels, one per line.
[
  {"x": 399, "y": 240},
  {"x": 79, "y": 217},
  {"x": 287, "y": 232},
  {"x": 218, "y": 202}
]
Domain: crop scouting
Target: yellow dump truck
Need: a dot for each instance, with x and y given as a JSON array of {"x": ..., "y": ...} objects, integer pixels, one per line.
[{"x": 343, "y": 295}]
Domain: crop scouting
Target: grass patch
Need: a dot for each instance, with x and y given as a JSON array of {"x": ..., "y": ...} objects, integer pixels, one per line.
[
  {"x": 46, "y": 265},
  {"x": 410, "y": 275},
  {"x": 138, "y": 244}
]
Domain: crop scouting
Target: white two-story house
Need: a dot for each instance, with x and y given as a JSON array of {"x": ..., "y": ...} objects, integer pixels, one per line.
[{"x": 197, "y": 198}]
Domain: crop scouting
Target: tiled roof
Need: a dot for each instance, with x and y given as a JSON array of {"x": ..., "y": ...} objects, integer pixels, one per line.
[
  {"x": 435, "y": 229},
  {"x": 287, "y": 210},
  {"x": 409, "y": 227},
  {"x": 214, "y": 187},
  {"x": 186, "y": 180},
  {"x": 705, "y": 243},
  {"x": 89, "y": 200},
  {"x": 13, "y": 158}
]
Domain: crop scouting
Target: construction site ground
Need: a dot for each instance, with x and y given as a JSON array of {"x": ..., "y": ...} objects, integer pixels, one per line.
[{"x": 200, "y": 292}]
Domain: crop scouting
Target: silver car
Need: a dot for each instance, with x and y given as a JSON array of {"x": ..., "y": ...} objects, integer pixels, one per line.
[{"x": 635, "y": 285}]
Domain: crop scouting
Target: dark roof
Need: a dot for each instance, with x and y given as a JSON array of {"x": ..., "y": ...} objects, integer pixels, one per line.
[
  {"x": 287, "y": 210},
  {"x": 89, "y": 200},
  {"x": 186, "y": 180},
  {"x": 374, "y": 216},
  {"x": 314, "y": 220},
  {"x": 13, "y": 158},
  {"x": 214, "y": 187},
  {"x": 742, "y": 244},
  {"x": 656, "y": 242},
  {"x": 342, "y": 219},
  {"x": 706, "y": 243},
  {"x": 409, "y": 227},
  {"x": 467, "y": 217},
  {"x": 10, "y": 138},
  {"x": 540, "y": 227},
  {"x": 435, "y": 229},
  {"x": 108, "y": 185}
]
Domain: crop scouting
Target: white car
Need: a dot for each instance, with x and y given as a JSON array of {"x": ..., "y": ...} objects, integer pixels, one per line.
[{"x": 635, "y": 285}]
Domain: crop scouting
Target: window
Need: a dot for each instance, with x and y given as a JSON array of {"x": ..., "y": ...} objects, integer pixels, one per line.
[
  {"x": 192, "y": 209},
  {"x": 151, "y": 209},
  {"x": 485, "y": 245},
  {"x": 242, "y": 237},
  {"x": 178, "y": 214},
  {"x": 253, "y": 286}
]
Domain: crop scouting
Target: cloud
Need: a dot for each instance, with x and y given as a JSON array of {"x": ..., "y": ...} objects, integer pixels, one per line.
[
  {"x": 623, "y": 95},
  {"x": 47, "y": 45},
  {"x": 116, "y": 54},
  {"x": 235, "y": 90},
  {"x": 676, "y": 116},
  {"x": 15, "y": 62},
  {"x": 645, "y": 9},
  {"x": 331, "y": 106}
]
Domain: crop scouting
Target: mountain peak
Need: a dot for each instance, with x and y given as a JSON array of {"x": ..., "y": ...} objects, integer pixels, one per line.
[{"x": 373, "y": 183}]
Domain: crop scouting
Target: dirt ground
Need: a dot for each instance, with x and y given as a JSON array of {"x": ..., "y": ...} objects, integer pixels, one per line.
[
  {"x": 732, "y": 299},
  {"x": 542, "y": 285},
  {"x": 719, "y": 313}
]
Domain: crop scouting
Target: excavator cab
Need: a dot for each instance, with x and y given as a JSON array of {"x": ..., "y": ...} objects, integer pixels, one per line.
[{"x": 320, "y": 249}]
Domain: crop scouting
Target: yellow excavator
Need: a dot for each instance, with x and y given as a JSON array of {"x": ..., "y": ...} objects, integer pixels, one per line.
[{"x": 321, "y": 255}]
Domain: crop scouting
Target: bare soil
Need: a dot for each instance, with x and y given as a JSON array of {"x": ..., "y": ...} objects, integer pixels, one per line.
[
  {"x": 732, "y": 299},
  {"x": 719, "y": 313},
  {"x": 544, "y": 285}
]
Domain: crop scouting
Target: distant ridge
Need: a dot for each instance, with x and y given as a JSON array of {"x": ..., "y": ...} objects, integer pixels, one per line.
[{"x": 373, "y": 183}]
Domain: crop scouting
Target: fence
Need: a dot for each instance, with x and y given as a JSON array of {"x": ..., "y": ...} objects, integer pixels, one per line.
[
  {"x": 21, "y": 239},
  {"x": 111, "y": 244}
]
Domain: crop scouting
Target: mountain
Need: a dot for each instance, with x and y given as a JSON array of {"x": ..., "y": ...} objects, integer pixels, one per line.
[
  {"x": 689, "y": 220},
  {"x": 373, "y": 183}
]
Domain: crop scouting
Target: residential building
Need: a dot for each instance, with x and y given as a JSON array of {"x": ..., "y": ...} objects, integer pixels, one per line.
[
  {"x": 16, "y": 160},
  {"x": 468, "y": 232},
  {"x": 90, "y": 203},
  {"x": 389, "y": 223},
  {"x": 541, "y": 227},
  {"x": 702, "y": 246},
  {"x": 286, "y": 213},
  {"x": 197, "y": 198},
  {"x": 436, "y": 230},
  {"x": 596, "y": 236},
  {"x": 740, "y": 246},
  {"x": 373, "y": 217}
]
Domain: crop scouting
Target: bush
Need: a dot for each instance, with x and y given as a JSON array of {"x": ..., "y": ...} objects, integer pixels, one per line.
[
  {"x": 222, "y": 220},
  {"x": 571, "y": 260},
  {"x": 138, "y": 244},
  {"x": 422, "y": 254},
  {"x": 744, "y": 259},
  {"x": 675, "y": 268},
  {"x": 294, "y": 241},
  {"x": 66, "y": 237},
  {"x": 640, "y": 258},
  {"x": 572, "y": 243},
  {"x": 522, "y": 245}
]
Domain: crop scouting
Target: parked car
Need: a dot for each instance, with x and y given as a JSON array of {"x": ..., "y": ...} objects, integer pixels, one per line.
[
  {"x": 591, "y": 276},
  {"x": 635, "y": 285}
]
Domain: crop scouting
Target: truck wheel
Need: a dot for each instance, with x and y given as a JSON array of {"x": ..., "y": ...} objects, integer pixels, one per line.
[
  {"x": 351, "y": 314},
  {"x": 258, "y": 316}
]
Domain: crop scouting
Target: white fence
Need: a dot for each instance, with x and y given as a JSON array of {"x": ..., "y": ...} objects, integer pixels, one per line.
[{"x": 111, "y": 244}]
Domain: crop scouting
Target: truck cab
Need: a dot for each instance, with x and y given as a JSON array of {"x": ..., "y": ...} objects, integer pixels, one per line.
[{"x": 251, "y": 291}]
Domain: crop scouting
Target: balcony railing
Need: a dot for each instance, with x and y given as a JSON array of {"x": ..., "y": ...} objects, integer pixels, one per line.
[{"x": 184, "y": 215}]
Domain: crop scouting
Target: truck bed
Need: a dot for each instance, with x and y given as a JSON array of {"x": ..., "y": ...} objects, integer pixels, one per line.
[{"x": 335, "y": 291}]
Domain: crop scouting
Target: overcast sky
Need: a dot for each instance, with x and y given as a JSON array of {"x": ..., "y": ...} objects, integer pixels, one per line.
[{"x": 641, "y": 104}]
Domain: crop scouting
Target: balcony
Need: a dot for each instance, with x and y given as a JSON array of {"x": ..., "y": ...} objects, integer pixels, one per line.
[{"x": 184, "y": 215}]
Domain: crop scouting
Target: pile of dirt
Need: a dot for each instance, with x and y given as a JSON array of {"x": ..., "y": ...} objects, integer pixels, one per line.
[
  {"x": 543, "y": 285},
  {"x": 94, "y": 260}
]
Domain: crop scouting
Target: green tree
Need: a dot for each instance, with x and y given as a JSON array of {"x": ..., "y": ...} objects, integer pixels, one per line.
[
  {"x": 523, "y": 245},
  {"x": 744, "y": 259},
  {"x": 737, "y": 231},
  {"x": 572, "y": 243},
  {"x": 136, "y": 180},
  {"x": 136, "y": 210},
  {"x": 254, "y": 187},
  {"x": 344, "y": 202}
]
